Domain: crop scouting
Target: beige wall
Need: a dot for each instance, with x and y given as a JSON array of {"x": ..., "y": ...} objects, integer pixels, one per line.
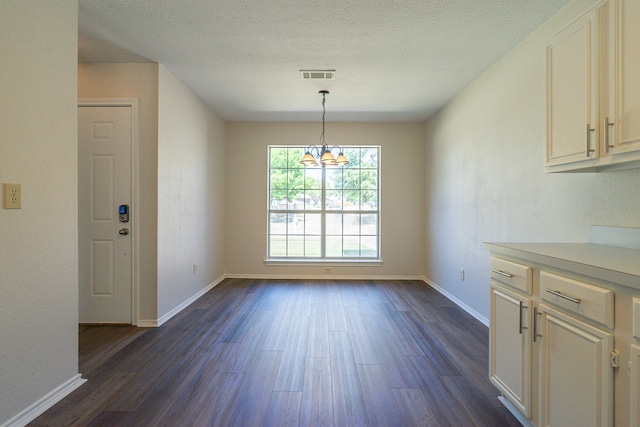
[
  {"x": 484, "y": 162},
  {"x": 402, "y": 195},
  {"x": 136, "y": 81},
  {"x": 38, "y": 243},
  {"x": 191, "y": 163}
]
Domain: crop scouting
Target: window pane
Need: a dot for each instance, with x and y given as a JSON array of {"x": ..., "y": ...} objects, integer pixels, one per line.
[
  {"x": 312, "y": 224},
  {"x": 334, "y": 246},
  {"x": 369, "y": 158},
  {"x": 277, "y": 246},
  {"x": 351, "y": 224},
  {"x": 334, "y": 179},
  {"x": 352, "y": 179},
  {"x": 278, "y": 158},
  {"x": 295, "y": 224},
  {"x": 278, "y": 223},
  {"x": 277, "y": 198},
  {"x": 296, "y": 179},
  {"x": 333, "y": 200},
  {"x": 369, "y": 225},
  {"x": 295, "y": 155},
  {"x": 312, "y": 199},
  {"x": 312, "y": 246},
  {"x": 352, "y": 199},
  {"x": 368, "y": 246},
  {"x": 313, "y": 179},
  {"x": 369, "y": 200},
  {"x": 351, "y": 246},
  {"x": 278, "y": 179},
  {"x": 334, "y": 224},
  {"x": 353, "y": 154},
  {"x": 369, "y": 179},
  {"x": 295, "y": 246}
]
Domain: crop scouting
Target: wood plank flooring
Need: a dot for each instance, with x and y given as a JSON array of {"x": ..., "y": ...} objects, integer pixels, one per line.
[{"x": 291, "y": 353}]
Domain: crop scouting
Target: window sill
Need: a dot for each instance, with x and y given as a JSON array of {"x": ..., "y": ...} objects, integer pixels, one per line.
[{"x": 326, "y": 262}]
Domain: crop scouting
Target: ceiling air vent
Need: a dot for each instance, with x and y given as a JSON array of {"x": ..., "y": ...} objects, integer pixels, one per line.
[{"x": 318, "y": 74}]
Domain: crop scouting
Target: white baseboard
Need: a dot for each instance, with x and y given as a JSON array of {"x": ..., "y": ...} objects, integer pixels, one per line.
[
  {"x": 41, "y": 406},
  {"x": 459, "y": 303},
  {"x": 147, "y": 324},
  {"x": 187, "y": 302},
  {"x": 328, "y": 276}
]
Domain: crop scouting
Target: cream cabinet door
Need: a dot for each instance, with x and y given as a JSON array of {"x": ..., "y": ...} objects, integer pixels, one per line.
[
  {"x": 510, "y": 347},
  {"x": 572, "y": 93},
  {"x": 576, "y": 379},
  {"x": 634, "y": 395},
  {"x": 624, "y": 82}
]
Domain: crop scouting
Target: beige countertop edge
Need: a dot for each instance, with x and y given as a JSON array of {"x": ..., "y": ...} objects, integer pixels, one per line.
[{"x": 608, "y": 263}]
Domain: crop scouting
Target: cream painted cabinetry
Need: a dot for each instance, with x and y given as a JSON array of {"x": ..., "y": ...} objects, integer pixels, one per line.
[
  {"x": 551, "y": 340},
  {"x": 573, "y": 93},
  {"x": 634, "y": 395},
  {"x": 593, "y": 91},
  {"x": 576, "y": 377},
  {"x": 634, "y": 366},
  {"x": 510, "y": 346},
  {"x": 510, "y": 332}
]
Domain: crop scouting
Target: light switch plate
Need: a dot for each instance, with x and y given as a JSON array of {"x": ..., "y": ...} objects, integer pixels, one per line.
[{"x": 12, "y": 196}]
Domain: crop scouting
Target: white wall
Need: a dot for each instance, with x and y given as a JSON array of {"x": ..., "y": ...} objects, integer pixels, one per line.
[
  {"x": 402, "y": 194},
  {"x": 38, "y": 243},
  {"x": 191, "y": 163},
  {"x": 140, "y": 81},
  {"x": 484, "y": 162}
]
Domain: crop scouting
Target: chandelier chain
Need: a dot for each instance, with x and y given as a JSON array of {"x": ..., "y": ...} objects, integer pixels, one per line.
[{"x": 324, "y": 111}]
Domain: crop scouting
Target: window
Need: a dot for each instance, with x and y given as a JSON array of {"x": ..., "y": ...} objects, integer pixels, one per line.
[{"x": 324, "y": 213}]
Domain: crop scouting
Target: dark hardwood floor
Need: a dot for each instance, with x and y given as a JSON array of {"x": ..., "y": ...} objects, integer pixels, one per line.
[{"x": 291, "y": 353}]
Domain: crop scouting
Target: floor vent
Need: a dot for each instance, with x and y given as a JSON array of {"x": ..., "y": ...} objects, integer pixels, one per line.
[{"x": 318, "y": 74}]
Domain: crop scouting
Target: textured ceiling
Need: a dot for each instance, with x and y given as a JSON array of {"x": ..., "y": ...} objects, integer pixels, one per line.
[{"x": 396, "y": 60}]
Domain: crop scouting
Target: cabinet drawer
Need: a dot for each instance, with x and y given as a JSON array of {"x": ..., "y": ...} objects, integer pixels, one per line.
[
  {"x": 592, "y": 302},
  {"x": 512, "y": 274}
]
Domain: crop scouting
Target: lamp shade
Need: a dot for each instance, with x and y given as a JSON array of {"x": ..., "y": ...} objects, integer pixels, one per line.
[
  {"x": 308, "y": 159},
  {"x": 341, "y": 160},
  {"x": 327, "y": 158}
]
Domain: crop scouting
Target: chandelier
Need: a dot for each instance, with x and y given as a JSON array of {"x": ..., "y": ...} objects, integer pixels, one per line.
[{"x": 323, "y": 152}]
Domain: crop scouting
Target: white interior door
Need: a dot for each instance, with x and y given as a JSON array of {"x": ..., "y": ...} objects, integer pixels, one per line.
[{"x": 105, "y": 243}]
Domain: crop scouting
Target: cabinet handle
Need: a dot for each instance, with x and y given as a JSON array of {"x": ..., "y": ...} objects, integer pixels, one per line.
[
  {"x": 521, "y": 327},
  {"x": 589, "y": 149},
  {"x": 502, "y": 273},
  {"x": 561, "y": 295},
  {"x": 536, "y": 335},
  {"x": 607, "y": 134}
]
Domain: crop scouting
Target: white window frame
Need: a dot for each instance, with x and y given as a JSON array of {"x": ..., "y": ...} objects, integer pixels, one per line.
[{"x": 323, "y": 211}]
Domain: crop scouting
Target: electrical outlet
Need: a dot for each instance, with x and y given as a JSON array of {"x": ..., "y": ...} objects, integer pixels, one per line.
[
  {"x": 195, "y": 268},
  {"x": 462, "y": 274},
  {"x": 12, "y": 196},
  {"x": 327, "y": 269}
]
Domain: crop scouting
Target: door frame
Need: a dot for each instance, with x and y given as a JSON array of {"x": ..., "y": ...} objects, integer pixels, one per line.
[{"x": 135, "y": 139}]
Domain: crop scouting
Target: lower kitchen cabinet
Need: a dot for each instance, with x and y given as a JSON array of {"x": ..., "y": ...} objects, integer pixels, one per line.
[
  {"x": 564, "y": 333},
  {"x": 634, "y": 395},
  {"x": 576, "y": 376},
  {"x": 510, "y": 347}
]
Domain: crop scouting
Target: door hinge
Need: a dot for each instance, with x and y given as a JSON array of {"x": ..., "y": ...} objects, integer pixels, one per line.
[{"x": 615, "y": 359}]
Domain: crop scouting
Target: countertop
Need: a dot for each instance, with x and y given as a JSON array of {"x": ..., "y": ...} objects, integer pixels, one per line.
[{"x": 609, "y": 263}]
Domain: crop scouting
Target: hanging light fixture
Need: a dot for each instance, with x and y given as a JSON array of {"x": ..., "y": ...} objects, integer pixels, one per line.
[{"x": 323, "y": 152}]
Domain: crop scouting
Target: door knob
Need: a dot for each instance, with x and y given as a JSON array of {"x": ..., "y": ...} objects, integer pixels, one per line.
[{"x": 124, "y": 231}]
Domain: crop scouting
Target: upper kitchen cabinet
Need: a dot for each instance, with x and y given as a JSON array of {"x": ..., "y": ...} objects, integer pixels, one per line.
[{"x": 593, "y": 91}]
